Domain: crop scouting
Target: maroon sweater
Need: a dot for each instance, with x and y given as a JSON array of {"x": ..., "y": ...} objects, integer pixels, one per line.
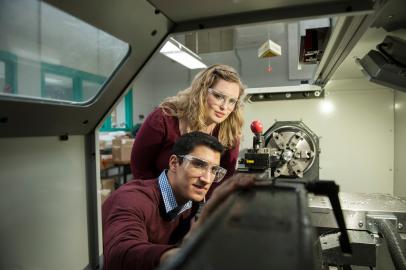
[
  {"x": 136, "y": 228},
  {"x": 153, "y": 147}
]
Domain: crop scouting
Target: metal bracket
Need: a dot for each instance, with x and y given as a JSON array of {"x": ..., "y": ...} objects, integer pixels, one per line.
[{"x": 371, "y": 224}]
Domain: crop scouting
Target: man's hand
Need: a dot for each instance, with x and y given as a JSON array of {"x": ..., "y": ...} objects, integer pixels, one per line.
[
  {"x": 167, "y": 254},
  {"x": 221, "y": 193}
]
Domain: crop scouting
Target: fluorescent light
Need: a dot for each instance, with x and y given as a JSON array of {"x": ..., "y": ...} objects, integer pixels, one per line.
[
  {"x": 179, "y": 53},
  {"x": 169, "y": 47}
]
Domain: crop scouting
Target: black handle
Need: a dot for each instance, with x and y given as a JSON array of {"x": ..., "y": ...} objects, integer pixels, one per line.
[{"x": 330, "y": 189}]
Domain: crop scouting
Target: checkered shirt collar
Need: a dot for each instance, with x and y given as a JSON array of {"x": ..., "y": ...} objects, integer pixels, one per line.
[{"x": 171, "y": 206}]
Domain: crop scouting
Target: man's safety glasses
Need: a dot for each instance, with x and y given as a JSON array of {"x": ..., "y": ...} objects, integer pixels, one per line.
[{"x": 200, "y": 167}]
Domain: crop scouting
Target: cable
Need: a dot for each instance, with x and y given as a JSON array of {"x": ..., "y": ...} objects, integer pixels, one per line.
[{"x": 394, "y": 242}]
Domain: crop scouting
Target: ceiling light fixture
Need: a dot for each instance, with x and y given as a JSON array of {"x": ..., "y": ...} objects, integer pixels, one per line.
[{"x": 181, "y": 54}]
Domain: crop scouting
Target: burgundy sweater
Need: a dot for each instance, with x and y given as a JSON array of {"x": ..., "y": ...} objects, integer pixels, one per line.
[
  {"x": 136, "y": 228},
  {"x": 153, "y": 147}
]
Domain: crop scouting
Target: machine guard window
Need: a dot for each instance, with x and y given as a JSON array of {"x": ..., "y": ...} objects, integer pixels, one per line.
[{"x": 53, "y": 56}]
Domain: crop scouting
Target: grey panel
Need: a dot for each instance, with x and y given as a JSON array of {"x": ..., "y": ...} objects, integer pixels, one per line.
[
  {"x": 399, "y": 187},
  {"x": 43, "y": 204}
]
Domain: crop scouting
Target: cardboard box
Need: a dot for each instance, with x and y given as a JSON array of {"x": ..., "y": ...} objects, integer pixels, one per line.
[
  {"x": 102, "y": 145},
  {"x": 104, "y": 194},
  {"x": 108, "y": 184},
  {"x": 106, "y": 161},
  {"x": 121, "y": 150}
]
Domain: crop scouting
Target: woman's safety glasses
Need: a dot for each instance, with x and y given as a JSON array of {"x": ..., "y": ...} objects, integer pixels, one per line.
[
  {"x": 223, "y": 99},
  {"x": 201, "y": 167}
]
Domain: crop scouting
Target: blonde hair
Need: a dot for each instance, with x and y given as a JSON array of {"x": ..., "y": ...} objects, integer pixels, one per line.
[{"x": 190, "y": 104}]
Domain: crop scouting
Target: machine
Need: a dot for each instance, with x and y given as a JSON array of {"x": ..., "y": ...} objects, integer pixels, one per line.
[
  {"x": 291, "y": 219},
  {"x": 288, "y": 149}
]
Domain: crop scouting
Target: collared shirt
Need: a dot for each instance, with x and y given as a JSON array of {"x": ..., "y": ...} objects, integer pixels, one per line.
[{"x": 171, "y": 206}]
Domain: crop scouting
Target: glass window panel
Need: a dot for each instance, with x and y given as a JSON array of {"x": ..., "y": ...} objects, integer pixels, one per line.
[
  {"x": 31, "y": 39},
  {"x": 58, "y": 87},
  {"x": 90, "y": 89}
]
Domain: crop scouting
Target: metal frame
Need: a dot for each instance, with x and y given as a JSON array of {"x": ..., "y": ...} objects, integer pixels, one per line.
[
  {"x": 347, "y": 32},
  {"x": 92, "y": 207},
  {"x": 321, "y": 9}
]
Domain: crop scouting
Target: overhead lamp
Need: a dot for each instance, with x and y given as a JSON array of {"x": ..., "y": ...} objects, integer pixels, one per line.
[{"x": 181, "y": 54}]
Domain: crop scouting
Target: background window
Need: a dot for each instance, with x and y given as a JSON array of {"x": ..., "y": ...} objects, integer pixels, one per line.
[
  {"x": 121, "y": 118},
  {"x": 8, "y": 83},
  {"x": 58, "y": 87}
]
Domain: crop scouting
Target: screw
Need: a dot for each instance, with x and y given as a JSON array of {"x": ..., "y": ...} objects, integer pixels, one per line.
[
  {"x": 360, "y": 224},
  {"x": 400, "y": 226}
]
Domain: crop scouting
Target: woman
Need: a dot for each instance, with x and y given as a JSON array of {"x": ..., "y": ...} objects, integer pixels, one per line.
[{"x": 211, "y": 105}]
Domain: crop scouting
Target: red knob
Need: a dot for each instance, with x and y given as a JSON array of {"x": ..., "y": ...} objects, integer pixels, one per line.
[{"x": 256, "y": 126}]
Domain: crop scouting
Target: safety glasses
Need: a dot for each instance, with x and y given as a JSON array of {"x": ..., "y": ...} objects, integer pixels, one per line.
[
  {"x": 223, "y": 99},
  {"x": 200, "y": 167}
]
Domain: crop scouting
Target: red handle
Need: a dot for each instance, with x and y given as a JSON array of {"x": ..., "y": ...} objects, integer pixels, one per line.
[{"x": 256, "y": 126}]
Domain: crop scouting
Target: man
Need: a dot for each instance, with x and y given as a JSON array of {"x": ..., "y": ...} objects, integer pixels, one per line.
[{"x": 145, "y": 221}]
